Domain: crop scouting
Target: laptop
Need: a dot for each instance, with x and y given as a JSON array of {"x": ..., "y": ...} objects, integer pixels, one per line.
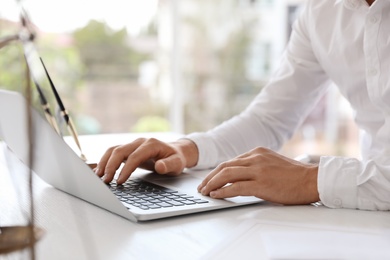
[{"x": 146, "y": 195}]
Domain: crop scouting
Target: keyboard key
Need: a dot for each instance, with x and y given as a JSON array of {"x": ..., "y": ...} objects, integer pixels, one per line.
[
  {"x": 154, "y": 206},
  {"x": 200, "y": 201},
  {"x": 164, "y": 204},
  {"x": 175, "y": 203},
  {"x": 188, "y": 202}
]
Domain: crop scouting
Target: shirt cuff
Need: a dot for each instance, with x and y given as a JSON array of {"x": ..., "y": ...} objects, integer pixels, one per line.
[
  {"x": 208, "y": 153},
  {"x": 337, "y": 184}
]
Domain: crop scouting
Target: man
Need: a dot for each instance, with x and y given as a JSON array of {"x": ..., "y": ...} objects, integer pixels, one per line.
[{"x": 346, "y": 42}]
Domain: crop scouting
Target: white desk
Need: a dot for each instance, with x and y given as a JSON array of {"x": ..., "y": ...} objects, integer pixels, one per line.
[{"x": 78, "y": 230}]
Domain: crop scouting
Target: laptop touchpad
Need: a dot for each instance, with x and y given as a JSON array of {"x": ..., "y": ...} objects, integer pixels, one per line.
[{"x": 182, "y": 182}]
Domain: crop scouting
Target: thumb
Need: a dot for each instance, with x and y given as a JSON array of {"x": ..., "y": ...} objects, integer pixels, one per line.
[{"x": 171, "y": 165}]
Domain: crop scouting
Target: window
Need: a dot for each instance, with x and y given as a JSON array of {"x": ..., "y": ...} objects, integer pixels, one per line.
[{"x": 168, "y": 65}]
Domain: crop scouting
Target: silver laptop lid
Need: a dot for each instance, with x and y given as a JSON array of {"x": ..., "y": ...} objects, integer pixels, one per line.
[{"x": 54, "y": 161}]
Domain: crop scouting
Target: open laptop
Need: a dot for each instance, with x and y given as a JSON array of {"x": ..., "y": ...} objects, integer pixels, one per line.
[{"x": 58, "y": 165}]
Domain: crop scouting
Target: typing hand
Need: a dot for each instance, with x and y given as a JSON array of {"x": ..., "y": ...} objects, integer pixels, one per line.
[
  {"x": 150, "y": 154},
  {"x": 266, "y": 175}
]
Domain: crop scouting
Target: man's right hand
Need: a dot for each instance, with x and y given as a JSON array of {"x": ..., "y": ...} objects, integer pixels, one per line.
[{"x": 150, "y": 154}]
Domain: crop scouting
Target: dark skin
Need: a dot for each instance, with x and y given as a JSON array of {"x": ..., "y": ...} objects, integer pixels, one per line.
[{"x": 260, "y": 172}]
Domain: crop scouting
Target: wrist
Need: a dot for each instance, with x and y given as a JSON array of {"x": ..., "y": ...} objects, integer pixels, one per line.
[
  {"x": 189, "y": 150},
  {"x": 312, "y": 183}
]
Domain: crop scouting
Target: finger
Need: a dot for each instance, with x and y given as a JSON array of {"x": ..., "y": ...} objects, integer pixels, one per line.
[
  {"x": 118, "y": 155},
  {"x": 99, "y": 170},
  {"x": 172, "y": 165},
  {"x": 241, "y": 188},
  {"x": 152, "y": 149},
  {"x": 226, "y": 176},
  {"x": 148, "y": 165},
  {"x": 231, "y": 163},
  {"x": 142, "y": 155},
  {"x": 209, "y": 177}
]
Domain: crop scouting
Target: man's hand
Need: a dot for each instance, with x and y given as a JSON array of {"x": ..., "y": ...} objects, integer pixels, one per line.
[
  {"x": 150, "y": 154},
  {"x": 266, "y": 175}
]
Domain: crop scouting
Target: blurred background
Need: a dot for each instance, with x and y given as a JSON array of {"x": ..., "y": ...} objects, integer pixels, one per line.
[{"x": 167, "y": 65}]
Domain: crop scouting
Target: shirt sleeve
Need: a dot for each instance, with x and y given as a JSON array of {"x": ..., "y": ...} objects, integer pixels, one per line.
[
  {"x": 276, "y": 112},
  {"x": 355, "y": 184}
]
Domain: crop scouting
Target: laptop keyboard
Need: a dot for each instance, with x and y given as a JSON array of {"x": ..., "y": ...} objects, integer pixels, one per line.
[{"x": 148, "y": 196}]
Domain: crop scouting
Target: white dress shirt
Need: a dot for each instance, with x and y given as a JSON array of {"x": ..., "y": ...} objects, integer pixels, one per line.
[{"x": 345, "y": 42}]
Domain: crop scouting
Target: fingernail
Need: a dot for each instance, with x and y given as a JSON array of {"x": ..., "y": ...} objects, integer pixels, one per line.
[
  {"x": 160, "y": 167},
  {"x": 203, "y": 191},
  {"x": 213, "y": 194},
  {"x": 105, "y": 178},
  {"x": 119, "y": 181}
]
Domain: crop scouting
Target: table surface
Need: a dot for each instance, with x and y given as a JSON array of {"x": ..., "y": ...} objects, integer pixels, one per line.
[{"x": 75, "y": 229}]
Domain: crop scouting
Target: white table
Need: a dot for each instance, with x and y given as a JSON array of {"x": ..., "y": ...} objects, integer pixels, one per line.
[{"x": 75, "y": 229}]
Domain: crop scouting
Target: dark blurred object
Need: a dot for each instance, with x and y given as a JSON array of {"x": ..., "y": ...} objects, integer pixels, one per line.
[{"x": 15, "y": 238}]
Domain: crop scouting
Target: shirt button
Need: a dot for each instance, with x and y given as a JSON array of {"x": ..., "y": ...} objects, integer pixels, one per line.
[{"x": 337, "y": 202}]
